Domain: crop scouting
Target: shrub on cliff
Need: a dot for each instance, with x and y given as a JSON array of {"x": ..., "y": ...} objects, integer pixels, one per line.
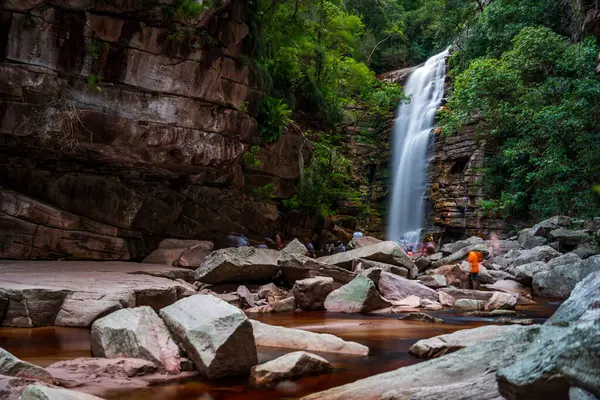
[{"x": 273, "y": 116}]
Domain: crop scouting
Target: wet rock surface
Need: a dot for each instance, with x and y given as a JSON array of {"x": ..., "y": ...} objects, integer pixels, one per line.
[
  {"x": 298, "y": 267},
  {"x": 290, "y": 366},
  {"x": 13, "y": 366},
  {"x": 288, "y": 338},
  {"x": 358, "y": 296},
  {"x": 238, "y": 265},
  {"x": 394, "y": 287},
  {"x": 136, "y": 333},
  {"x": 219, "y": 340},
  {"x": 439, "y": 345},
  {"x": 310, "y": 294},
  {"x": 384, "y": 252},
  {"x": 75, "y": 293}
]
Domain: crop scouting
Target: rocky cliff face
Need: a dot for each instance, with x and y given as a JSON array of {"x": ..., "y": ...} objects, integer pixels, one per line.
[
  {"x": 122, "y": 123},
  {"x": 457, "y": 187}
]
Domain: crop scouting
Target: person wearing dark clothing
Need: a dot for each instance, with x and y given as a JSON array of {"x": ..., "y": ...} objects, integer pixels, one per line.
[{"x": 311, "y": 249}]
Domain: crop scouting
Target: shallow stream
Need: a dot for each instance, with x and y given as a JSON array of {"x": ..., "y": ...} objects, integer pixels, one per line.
[{"x": 387, "y": 337}]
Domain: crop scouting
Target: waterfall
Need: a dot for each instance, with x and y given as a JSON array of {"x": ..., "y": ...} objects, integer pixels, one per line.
[{"x": 412, "y": 131}]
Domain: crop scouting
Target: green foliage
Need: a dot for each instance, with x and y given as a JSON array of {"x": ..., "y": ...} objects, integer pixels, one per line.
[
  {"x": 191, "y": 8},
  {"x": 273, "y": 115},
  {"x": 308, "y": 52},
  {"x": 264, "y": 193},
  {"x": 95, "y": 49},
  {"x": 324, "y": 183},
  {"x": 540, "y": 101},
  {"x": 251, "y": 158},
  {"x": 93, "y": 82}
]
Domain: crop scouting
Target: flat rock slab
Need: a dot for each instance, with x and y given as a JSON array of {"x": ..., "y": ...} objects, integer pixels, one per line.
[
  {"x": 96, "y": 375},
  {"x": 75, "y": 293},
  {"x": 290, "y": 366},
  {"x": 439, "y": 345},
  {"x": 298, "y": 339}
]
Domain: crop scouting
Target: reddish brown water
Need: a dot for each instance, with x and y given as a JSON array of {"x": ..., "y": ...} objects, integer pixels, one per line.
[{"x": 387, "y": 337}]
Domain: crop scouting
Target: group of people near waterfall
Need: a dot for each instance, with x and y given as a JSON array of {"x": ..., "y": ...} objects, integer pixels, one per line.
[
  {"x": 276, "y": 242},
  {"x": 334, "y": 247}
]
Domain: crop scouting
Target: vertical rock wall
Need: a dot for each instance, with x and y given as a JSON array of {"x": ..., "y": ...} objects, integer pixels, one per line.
[
  {"x": 121, "y": 124},
  {"x": 457, "y": 186}
]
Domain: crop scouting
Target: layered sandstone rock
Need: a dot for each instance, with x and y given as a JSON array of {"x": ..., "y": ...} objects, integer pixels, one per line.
[
  {"x": 75, "y": 293},
  {"x": 121, "y": 126}
]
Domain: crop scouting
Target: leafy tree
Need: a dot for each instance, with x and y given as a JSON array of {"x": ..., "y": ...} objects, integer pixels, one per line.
[{"x": 540, "y": 102}]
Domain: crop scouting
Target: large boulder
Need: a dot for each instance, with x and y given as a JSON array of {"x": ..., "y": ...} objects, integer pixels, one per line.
[
  {"x": 39, "y": 392},
  {"x": 135, "y": 333},
  {"x": 524, "y": 273},
  {"x": 528, "y": 240},
  {"x": 545, "y": 227},
  {"x": 13, "y": 366},
  {"x": 394, "y": 287},
  {"x": 269, "y": 290},
  {"x": 558, "y": 282},
  {"x": 238, "y": 264},
  {"x": 569, "y": 239},
  {"x": 453, "y": 247},
  {"x": 459, "y": 255},
  {"x": 385, "y": 252},
  {"x": 559, "y": 359},
  {"x": 297, "y": 339},
  {"x": 586, "y": 250},
  {"x": 542, "y": 253},
  {"x": 439, "y": 345},
  {"x": 310, "y": 294},
  {"x": 358, "y": 296},
  {"x": 290, "y": 366},
  {"x": 216, "y": 335},
  {"x": 194, "y": 256},
  {"x": 533, "y": 362},
  {"x": 284, "y": 305},
  {"x": 584, "y": 297},
  {"x": 294, "y": 247},
  {"x": 296, "y": 267},
  {"x": 81, "y": 309},
  {"x": 364, "y": 264},
  {"x": 500, "y": 300},
  {"x": 464, "y": 374}
]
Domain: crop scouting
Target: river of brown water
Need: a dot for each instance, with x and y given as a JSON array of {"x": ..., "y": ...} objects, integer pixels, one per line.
[{"x": 387, "y": 337}]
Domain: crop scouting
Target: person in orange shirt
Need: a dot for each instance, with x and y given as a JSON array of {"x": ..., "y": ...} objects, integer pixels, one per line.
[{"x": 474, "y": 258}]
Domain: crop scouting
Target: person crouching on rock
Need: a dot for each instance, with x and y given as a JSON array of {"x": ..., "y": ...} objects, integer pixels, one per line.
[{"x": 474, "y": 258}]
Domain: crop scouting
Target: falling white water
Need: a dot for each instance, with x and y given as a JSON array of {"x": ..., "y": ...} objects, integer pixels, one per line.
[{"x": 412, "y": 131}]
